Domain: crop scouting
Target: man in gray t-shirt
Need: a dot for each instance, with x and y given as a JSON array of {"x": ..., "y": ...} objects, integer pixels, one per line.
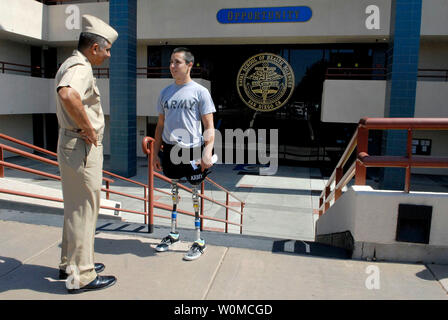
[{"x": 182, "y": 107}]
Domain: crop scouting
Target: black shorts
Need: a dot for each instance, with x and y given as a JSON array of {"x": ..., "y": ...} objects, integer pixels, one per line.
[{"x": 183, "y": 169}]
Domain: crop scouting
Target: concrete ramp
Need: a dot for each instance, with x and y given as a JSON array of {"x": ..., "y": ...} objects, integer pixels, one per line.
[{"x": 39, "y": 205}]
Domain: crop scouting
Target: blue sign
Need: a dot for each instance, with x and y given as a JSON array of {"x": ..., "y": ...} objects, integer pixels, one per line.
[{"x": 264, "y": 15}]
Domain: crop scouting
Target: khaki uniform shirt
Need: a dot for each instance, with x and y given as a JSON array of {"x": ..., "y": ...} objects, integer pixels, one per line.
[{"x": 76, "y": 72}]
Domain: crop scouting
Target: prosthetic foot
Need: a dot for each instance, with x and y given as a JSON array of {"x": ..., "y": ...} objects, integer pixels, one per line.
[
  {"x": 196, "y": 250},
  {"x": 198, "y": 247},
  {"x": 166, "y": 242},
  {"x": 173, "y": 237}
]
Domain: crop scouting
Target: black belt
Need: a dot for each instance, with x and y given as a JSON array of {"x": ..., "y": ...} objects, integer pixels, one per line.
[
  {"x": 71, "y": 133},
  {"x": 76, "y": 133}
]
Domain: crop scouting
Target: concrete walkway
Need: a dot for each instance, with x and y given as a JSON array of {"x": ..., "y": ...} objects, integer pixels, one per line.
[{"x": 30, "y": 253}]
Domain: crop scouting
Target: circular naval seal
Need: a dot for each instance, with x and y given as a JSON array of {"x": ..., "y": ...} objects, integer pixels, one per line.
[{"x": 265, "y": 82}]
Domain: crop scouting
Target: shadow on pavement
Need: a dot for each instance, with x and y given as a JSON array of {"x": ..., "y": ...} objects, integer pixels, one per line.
[
  {"x": 310, "y": 249},
  {"x": 31, "y": 277},
  {"x": 123, "y": 246}
]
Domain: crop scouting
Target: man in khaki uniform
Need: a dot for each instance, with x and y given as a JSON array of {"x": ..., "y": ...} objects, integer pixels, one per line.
[{"x": 80, "y": 155}]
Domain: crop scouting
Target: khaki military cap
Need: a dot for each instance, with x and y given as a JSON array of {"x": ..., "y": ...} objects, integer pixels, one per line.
[{"x": 97, "y": 26}]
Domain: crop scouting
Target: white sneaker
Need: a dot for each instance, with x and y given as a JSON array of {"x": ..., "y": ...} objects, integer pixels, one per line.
[
  {"x": 196, "y": 250},
  {"x": 166, "y": 242}
]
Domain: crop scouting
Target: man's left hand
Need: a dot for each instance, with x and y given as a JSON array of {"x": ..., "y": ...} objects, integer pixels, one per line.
[{"x": 206, "y": 162}]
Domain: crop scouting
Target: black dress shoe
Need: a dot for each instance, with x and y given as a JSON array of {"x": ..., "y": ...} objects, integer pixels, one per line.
[
  {"x": 100, "y": 282},
  {"x": 99, "y": 267}
]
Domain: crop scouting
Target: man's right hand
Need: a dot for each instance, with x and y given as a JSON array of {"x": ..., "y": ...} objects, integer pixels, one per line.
[
  {"x": 156, "y": 163},
  {"x": 90, "y": 137}
]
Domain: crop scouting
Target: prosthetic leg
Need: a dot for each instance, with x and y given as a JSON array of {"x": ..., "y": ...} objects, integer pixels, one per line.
[
  {"x": 195, "y": 178},
  {"x": 198, "y": 247},
  {"x": 173, "y": 237}
]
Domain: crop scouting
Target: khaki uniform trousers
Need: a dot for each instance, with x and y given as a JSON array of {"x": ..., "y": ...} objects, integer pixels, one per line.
[{"x": 81, "y": 167}]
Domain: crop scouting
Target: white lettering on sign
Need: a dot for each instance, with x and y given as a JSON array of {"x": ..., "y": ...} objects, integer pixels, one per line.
[
  {"x": 72, "y": 21},
  {"x": 373, "y": 20}
]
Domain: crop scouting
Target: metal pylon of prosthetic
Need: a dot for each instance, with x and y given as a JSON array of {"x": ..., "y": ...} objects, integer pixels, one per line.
[
  {"x": 175, "y": 198},
  {"x": 198, "y": 246},
  {"x": 197, "y": 220}
]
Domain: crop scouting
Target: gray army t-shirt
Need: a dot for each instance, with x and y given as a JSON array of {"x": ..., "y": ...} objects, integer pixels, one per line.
[{"x": 183, "y": 107}]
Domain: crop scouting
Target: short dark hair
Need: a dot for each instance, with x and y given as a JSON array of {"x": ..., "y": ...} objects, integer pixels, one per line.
[
  {"x": 87, "y": 39},
  {"x": 188, "y": 56}
]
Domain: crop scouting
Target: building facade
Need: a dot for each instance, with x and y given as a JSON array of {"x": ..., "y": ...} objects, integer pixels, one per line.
[{"x": 337, "y": 50}]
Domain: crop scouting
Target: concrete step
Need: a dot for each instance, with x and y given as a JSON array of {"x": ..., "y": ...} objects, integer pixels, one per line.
[{"x": 39, "y": 205}]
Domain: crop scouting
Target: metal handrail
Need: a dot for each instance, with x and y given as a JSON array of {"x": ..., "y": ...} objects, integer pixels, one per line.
[
  {"x": 56, "y": 2},
  {"x": 355, "y": 72},
  {"x": 35, "y": 157},
  {"x": 165, "y": 71},
  {"x": 436, "y": 74},
  {"x": 98, "y": 72},
  {"x": 148, "y": 149},
  {"x": 359, "y": 142},
  {"x": 147, "y": 198},
  {"x": 3, "y": 164},
  {"x": 29, "y": 69},
  {"x": 107, "y": 190}
]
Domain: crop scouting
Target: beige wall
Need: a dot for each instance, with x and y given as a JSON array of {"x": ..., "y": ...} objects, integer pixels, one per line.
[
  {"x": 142, "y": 56},
  {"x": 57, "y": 30},
  {"x": 195, "y": 21},
  {"x": 431, "y": 99},
  {"x": 349, "y": 100},
  {"x": 433, "y": 55},
  {"x": 26, "y": 95},
  {"x": 25, "y": 18},
  {"x": 434, "y": 17},
  {"x": 439, "y": 147},
  {"x": 15, "y": 52},
  {"x": 358, "y": 210},
  {"x": 371, "y": 217},
  {"x": 19, "y": 127}
]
